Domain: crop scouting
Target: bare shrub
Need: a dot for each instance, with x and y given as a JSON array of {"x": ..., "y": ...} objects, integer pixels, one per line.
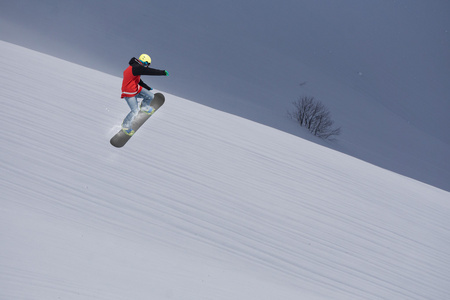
[{"x": 313, "y": 115}]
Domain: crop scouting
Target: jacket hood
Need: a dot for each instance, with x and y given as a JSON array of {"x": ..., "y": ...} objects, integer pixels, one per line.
[{"x": 133, "y": 61}]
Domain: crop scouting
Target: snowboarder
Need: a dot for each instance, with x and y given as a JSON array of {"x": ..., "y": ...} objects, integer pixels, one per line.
[{"x": 133, "y": 87}]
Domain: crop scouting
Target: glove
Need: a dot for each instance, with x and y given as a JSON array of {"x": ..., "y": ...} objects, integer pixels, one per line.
[{"x": 167, "y": 73}]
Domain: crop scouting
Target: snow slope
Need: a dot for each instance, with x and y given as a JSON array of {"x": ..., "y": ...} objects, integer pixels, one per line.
[
  {"x": 381, "y": 67},
  {"x": 200, "y": 204}
]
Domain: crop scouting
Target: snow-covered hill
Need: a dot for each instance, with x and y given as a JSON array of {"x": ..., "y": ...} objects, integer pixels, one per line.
[
  {"x": 381, "y": 67},
  {"x": 200, "y": 204}
]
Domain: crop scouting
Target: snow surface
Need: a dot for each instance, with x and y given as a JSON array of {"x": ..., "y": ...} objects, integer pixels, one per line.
[
  {"x": 200, "y": 204},
  {"x": 381, "y": 67}
]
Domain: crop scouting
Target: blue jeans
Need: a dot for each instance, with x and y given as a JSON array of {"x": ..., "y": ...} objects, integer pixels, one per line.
[{"x": 133, "y": 104}]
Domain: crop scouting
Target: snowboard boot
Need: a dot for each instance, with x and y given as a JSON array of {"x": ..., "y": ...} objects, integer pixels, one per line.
[
  {"x": 149, "y": 111},
  {"x": 128, "y": 131}
]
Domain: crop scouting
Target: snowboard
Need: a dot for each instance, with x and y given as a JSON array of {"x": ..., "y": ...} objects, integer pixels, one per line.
[{"x": 121, "y": 138}]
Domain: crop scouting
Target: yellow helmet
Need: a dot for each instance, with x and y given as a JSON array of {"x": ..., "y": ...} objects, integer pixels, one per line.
[{"x": 145, "y": 59}]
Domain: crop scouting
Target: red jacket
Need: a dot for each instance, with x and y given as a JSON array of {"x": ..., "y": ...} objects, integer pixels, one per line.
[{"x": 132, "y": 83}]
